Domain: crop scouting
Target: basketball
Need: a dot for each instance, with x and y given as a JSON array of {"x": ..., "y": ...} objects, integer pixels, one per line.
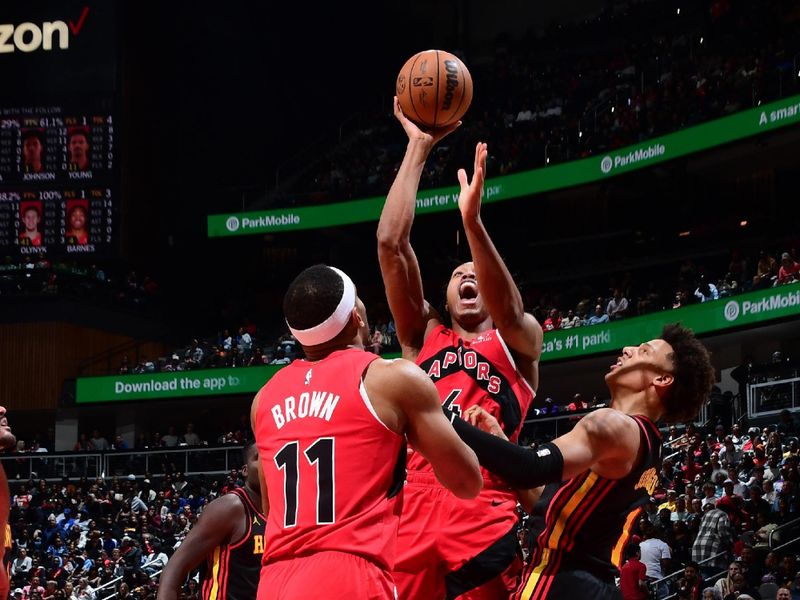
[{"x": 434, "y": 88}]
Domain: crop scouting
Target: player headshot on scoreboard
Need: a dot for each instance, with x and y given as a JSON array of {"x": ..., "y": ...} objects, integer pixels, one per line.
[
  {"x": 30, "y": 214},
  {"x": 77, "y": 217},
  {"x": 79, "y": 149},
  {"x": 32, "y": 150}
]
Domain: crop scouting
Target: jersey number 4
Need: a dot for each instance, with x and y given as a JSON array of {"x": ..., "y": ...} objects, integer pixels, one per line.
[
  {"x": 288, "y": 459},
  {"x": 449, "y": 402}
]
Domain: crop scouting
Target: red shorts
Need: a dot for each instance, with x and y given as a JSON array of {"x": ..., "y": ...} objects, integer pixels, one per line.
[
  {"x": 330, "y": 575},
  {"x": 448, "y": 547}
]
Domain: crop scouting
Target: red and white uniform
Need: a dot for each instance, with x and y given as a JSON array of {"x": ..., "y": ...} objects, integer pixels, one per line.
[
  {"x": 447, "y": 546},
  {"x": 330, "y": 468}
]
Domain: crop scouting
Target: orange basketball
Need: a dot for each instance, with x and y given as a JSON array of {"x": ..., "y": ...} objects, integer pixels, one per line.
[{"x": 434, "y": 88}]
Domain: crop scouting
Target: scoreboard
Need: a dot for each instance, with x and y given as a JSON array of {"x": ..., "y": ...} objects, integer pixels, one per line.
[
  {"x": 57, "y": 181},
  {"x": 59, "y": 128}
]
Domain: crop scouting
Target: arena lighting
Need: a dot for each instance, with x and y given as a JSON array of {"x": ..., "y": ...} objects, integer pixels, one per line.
[
  {"x": 684, "y": 234},
  {"x": 547, "y": 160},
  {"x": 612, "y": 109},
  {"x": 580, "y": 134},
  {"x": 679, "y": 11},
  {"x": 701, "y": 40},
  {"x": 743, "y": 223}
]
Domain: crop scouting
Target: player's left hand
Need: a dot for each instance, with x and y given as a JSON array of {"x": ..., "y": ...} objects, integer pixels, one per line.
[
  {"x": 469, "y": 199},
  {"x": 480, "y": 418}
]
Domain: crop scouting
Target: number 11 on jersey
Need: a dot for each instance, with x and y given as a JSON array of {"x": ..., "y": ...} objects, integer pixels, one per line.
[{"x": 321, "y": 453}]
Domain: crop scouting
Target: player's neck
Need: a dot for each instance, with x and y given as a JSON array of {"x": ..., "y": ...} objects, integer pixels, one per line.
[
  {"x": 317, "y": 353},
  {"x": 639, "y": 402},
  {"x": 471, "y": 332}
]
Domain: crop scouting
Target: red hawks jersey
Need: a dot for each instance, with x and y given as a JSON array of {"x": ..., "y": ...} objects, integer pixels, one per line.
[
  {"x": 479, "y": 371},
  {"x": 331, "y": 466}
]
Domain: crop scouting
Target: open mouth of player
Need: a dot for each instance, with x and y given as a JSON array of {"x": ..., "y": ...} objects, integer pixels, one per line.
[
  {"x": 468, "y": 292},
  {"x": 617, "y": 364}
]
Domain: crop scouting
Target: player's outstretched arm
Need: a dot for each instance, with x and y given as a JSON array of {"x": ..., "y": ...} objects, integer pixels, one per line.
[
  {"x": 521, "y": 331},
  {"x": 399, "y": 265},
  {"x": 606, "y": 441},
  {"x": 403, "y": 387},
  {"x": 219, "y": 523}
]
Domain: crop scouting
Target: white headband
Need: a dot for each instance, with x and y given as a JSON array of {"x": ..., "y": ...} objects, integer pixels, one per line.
[{"x": 333, "y": 325}]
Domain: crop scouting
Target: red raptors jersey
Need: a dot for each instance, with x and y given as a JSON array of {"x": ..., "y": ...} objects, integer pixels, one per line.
[
  {"x": 480, "y": 371},
  {"x": 329, "y": 463}
]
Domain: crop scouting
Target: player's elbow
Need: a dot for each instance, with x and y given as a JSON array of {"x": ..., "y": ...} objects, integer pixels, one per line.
[{"x": 390, "y": 242}]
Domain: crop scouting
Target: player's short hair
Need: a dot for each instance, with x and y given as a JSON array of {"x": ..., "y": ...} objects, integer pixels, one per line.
[
  {"x": 693, "y": 372},
  {"x": 312, "y": 297},
  {"x": 34, "y": 208}
]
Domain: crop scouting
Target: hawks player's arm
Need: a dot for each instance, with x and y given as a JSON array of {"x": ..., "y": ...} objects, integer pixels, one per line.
[
  {"x": 526, "y": 498},
  {"x": 223, "y": 521},
  {"x": 407, "y": 402},
  {"x": 606, "y": 441},
  {"x": 521, "y": 331},
  {"x": 414, "y": 317},
  {"x": 262, "y": 482}
]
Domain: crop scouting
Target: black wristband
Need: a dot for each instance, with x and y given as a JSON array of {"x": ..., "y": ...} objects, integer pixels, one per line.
[{"x": 522, "y": 468}]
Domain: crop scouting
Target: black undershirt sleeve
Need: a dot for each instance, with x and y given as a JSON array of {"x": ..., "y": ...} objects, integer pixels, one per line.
[{"x": 522, "y": 468}]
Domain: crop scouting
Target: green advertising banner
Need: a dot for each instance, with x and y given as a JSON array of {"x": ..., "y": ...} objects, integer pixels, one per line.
[
  {"x": 736, "y": 311},
  {"x": 742, "y": 310},
  {"x": 686, "y": 141},
  {"x": 179, "y": 384}
]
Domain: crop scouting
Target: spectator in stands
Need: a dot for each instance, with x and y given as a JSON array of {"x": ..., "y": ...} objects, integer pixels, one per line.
[
  {"x": 789, "y": 271},
  {"x": 724, "y": 586},
  {"x": 618, "y": 305},
  {"x": 553, "y": 320},
  {"x": 690, "y": 585},
  {"x": 98, "y": 442},
  {"x": 190, "y": 438},
  {"x": 706, "y": 291},
  {"x": 714, "y": 537},
  {"x": 655, "y": 554},
  {"x": 765, "y": 271},
  {"x": 280, "y": 358},
  {"x": 633, "y": 575},
  {"x": 598, "y": 316},
  {"x": 245, "y": 343},
  {"x": 571, "y": 320},
  {"x": 258, "y": 359},
  {"x": 786, "y": 423},
  {"x": 124, "y": 367},
  {"x": 376, "y": 341},
  {"x": 170, "y": 438},
  {"x": 22, "y": 564},
  {"x": 728, "y": 286}
]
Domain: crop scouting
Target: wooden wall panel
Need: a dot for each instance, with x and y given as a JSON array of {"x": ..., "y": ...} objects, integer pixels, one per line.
[{"x": 36, "y": 358}]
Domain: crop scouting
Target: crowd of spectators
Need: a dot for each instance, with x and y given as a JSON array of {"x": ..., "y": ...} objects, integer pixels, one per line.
[
  {"x": 37, "y": 275},
  {"x": 88, "y": 539},
  {"x": 244, "y": 346},
  {"x": 562, "y": 305},
  {"x": 718, "y": 520},
  {"x": 689, "y": 283},
  {"x": 722, "y": 514},
  {"x": 635, "y": 71}
]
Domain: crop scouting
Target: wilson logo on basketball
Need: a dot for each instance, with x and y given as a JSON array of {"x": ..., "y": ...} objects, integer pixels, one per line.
[
  {"x": 422, "y": 81},
  {"x": 452, "y": 83},
  {"x": 401, "y": 84}
]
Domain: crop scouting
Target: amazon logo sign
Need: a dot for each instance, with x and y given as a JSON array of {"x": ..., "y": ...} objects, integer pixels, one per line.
[{"x": 30, "y": 37}]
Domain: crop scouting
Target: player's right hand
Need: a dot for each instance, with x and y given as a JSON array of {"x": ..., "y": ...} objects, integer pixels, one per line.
[
  {"x": 477, "y": 416},
  {"x": 414, "y": 133}
]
